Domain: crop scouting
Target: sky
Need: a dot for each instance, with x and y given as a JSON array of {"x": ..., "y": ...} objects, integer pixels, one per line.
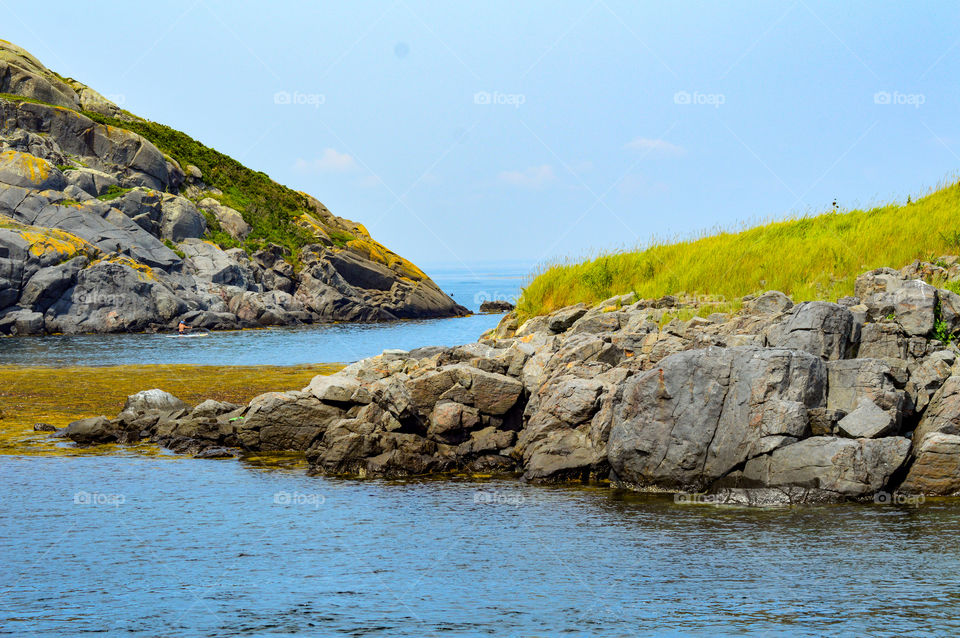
[{"x": 463, "y": 133}]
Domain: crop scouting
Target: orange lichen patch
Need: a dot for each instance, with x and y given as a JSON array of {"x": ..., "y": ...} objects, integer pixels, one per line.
[
  {"x": 58, "y": 396},
  {"x": 361, "y": 230},
  {"x": 379, "y": 253},
  {"x": 144, "y": 272},
  {"x": 36, "y": 168},
  {"x": 51, "y": 240},
  {"x": 309, "y": 223}
]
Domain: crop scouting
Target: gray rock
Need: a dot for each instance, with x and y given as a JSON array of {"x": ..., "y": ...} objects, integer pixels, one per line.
[
  {"x": 29, "y": 171},
  {"x": 361, "y": 273},
  {"x": 877, "y": 281},
  {"x": 943, "y": 414},
  {"x": 853, "y": 380},
  {"x": 914, "y": 304},
  {"x": 853, "y": 468},
  {"x": 285, "y": 421},
  {"x": 867, "y": 421},
  {"x": 561, "y": 320},
  {"x": 928, "y": 376},
  {"x": 181, "y": 220},
  {"x": 215, "y": 453},
  {"x": 153, "y": 400},
  {"x": 113, "y": 297},
  {"x": 209, "y": 263},
  {"x": 48, "y": 284},
  {"x": 229, "y": 219},
  {"x": 563, "y": 455},
  {"x": 817, "y": 327},
  {"x": 770, "y": 302},
  {"x": 212, "y": 409},
  {"x": 936, "y": 468},
  {"x": 879, "y": 340},
  {"x": 699, "y": 414},
  {"x": 496, "y": 306},
  {"x": 91, "y": 181},
  {"x": 22, "y": 322},
  {"x": 91, "y": 431},
  {"x": 337, "y": 388}
]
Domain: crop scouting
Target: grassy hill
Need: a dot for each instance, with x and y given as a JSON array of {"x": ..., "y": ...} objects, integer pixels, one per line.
[{"x": 810, "y": 257}]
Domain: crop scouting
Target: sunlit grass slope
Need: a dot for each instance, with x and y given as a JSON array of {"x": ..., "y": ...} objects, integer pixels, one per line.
[{"x": 810, "y": 257}]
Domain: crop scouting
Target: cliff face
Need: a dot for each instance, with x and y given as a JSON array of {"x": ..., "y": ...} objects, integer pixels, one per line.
[{"x": 112, "y": 223}]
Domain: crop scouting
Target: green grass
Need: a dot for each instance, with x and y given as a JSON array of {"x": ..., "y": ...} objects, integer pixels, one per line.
[
  {"x": 341, "y": 237},
  {"x": 808, "y": 257},
  {"x": 19, "y": 98},
  {"x": 270, "y": 208},
  {"x": 172, "y": 246},
  {"x": 113, "y": 192}
]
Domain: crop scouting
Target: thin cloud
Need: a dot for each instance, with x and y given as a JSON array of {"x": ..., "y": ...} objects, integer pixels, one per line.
[
  {"x": 533, "y": 177},
  {"x": 330, "y": 161},
  {"x": 660, "y": 147}
]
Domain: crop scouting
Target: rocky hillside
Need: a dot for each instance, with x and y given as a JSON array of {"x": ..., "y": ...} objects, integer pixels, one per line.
[
  {"x": 111, "y": 223},
  {"x": 780, "y": 403}
]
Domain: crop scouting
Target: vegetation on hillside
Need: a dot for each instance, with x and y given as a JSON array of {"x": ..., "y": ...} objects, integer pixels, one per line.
[
  {"x": 809, "y": 257},
  {"x": 270, "y": 208}
]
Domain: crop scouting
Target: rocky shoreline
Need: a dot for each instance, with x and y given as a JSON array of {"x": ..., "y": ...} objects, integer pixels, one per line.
[
  {"x": 101, "y": 231},
  {"x": 779, "y": 403}
]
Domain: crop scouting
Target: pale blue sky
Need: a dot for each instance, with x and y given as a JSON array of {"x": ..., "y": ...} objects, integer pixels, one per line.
[{"x": 588, "y": 141}]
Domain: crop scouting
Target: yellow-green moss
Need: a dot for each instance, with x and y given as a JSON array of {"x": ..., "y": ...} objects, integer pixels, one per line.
[
  {"x": 808, "y": 258},
  {"x": 58, "y": 396}
]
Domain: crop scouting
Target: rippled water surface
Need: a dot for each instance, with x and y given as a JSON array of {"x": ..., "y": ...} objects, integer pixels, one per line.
[
  {"x": 345, "y": 342},
  {"x": 164, "y": 547}
]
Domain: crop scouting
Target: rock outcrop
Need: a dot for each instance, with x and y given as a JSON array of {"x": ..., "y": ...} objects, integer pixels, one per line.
[
  {"x": 776, "y": 404},
  {"x": 100, "y": 231}
]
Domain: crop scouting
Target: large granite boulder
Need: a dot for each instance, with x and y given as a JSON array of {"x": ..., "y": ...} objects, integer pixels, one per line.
[
  {"x": 23, "y": 169},
  {"x": 113, "y": 297},
  {"x": 181, "y": 220},
  {"x": 852, "y": 381},
  {"x": 849, "y": 468},
  {"x": 285, "y": 421},
  {"x": 230, "y": 220},
  {"x": 913, "y": 304},
  {"x": 701, "y": 414},
  {"x": 936, "y": 467},
  {"x": 818, "y": 327},
  {"x": 155, "y": 399}
]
